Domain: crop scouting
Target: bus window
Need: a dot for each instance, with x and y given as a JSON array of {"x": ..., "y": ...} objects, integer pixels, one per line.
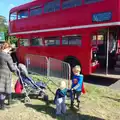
[
  {"x": 13, "y": 16},
  {"x": 22, "y": 14},
  {"x": 91, "y": 1},
  {"x": 100, "y": 39},
  {"x": 35, "y": 11},
  {"x": 24, "y": 42},
  {"x": 94, "y": 40},
  {"x": 36, "y": 42},
  {"x": 52, "y": 6},
  {"x": 52, "y": 41},
  {"x": 71, "y": 3},
  {"x": 71, "y": 40}
]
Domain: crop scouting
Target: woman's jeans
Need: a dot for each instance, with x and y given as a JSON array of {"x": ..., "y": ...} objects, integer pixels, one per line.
[{"x": 2, "y": 96}]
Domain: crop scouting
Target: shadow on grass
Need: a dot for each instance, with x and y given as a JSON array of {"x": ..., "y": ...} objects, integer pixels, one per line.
[
  {"x": 118, "y": 100},
  {"x": 70, "y": 114}
]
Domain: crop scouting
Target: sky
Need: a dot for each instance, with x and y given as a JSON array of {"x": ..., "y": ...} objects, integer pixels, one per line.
[{"x": 6, "y": 5}]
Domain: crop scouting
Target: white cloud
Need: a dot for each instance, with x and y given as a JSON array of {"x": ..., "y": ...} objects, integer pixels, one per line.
[{"x": 11, "y": 6}]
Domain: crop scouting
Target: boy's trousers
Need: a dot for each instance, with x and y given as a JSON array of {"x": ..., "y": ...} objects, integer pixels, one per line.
[
  {"x": 76, "y": 95},
  {"x": 60, "y": 106}
]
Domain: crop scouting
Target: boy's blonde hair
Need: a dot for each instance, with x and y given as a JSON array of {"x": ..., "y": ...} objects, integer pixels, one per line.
[
  {"x": 77, "y": 68},
  {"x": 62, "y": 85}
]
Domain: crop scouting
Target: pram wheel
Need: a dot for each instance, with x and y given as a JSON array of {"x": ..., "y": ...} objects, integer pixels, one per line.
[
  {"x": 26, "y": 100},
  {"x": 46, "y": 99},
  {"x": 41, "y": 94}
]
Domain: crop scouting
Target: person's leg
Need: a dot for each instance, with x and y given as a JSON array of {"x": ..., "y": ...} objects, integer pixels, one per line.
[
  {"x": 111, "y": 60},
  {"x": 9, "y": 99},
  {"x": 72, "y": 98},
  {"x": 2, "y": 99},
  {"x": 78, "y": 93},
  {"x": 63, "y": 106},
  {"x": 58, "y": 108}
]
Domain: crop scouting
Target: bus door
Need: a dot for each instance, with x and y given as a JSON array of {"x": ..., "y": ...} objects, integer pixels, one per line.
[
  {"x": 102, "y": 39},
  {"x": 98, "y": 47}
]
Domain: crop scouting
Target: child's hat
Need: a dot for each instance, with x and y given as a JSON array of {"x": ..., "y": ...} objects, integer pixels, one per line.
[{"x": 62, "y": 85}]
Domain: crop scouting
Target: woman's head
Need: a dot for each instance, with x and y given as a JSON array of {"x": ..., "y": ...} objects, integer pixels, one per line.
[{"x": 6, "y": 47}]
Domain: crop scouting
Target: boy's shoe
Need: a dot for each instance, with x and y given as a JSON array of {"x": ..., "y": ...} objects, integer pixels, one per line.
[
  {"x": 78, "y": 106},
  {"x": 72, "y": 105},
  {"x": 57, "y": 115}
]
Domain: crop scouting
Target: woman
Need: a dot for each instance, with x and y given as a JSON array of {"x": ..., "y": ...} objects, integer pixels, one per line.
[{"x": 6, "y": 67}]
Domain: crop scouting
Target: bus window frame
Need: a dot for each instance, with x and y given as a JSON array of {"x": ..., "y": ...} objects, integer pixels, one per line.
[
  {"x": 27, "y": 10},
  {"x": 39, "y": 45},
  {"x": 33, "y": 8},
  {"x": 92, "y": 2},
  {"x": 53, "y": 10},
  {"x": 70, "y": 7},
  {"x": 10, "y": 16},
  {"x": 80, "y": 45},
  {"x": 55, "y": 45},
  {"x": 23, "y": 45}
]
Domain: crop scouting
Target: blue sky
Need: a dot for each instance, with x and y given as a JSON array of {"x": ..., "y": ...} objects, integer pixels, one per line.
[{"x": 6, "y": 5}]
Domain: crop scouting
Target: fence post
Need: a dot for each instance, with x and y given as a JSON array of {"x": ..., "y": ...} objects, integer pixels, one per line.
[
  {"x": 27, "y": 62},
  {"x": 48, "y": 67},
  {"x": 69, "y": 76}
]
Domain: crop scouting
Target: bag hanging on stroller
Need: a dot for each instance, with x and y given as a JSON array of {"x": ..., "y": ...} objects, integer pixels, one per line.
[{"x": 18, "y": 87}]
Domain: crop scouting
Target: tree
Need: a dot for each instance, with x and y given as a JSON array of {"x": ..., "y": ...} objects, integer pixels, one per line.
[{"x": 4, "y": 28}]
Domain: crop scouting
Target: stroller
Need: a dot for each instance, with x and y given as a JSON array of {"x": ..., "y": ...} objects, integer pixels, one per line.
[{"x": 29, "y": 86}]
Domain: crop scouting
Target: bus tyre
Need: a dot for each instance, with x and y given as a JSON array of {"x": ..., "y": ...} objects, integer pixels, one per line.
[{"x": 73, "y": 62}]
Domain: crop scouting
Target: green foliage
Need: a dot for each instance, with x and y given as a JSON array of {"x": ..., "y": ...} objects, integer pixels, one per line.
[
  {"x": 12, "y": 40},
  {"x": 4, "y": 28}
]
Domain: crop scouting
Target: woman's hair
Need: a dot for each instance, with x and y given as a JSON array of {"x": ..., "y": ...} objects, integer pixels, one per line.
[{"x": 5, "y": 46}]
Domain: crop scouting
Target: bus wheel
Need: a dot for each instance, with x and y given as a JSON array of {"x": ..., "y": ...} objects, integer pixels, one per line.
[{"x": 73, "y": 62}]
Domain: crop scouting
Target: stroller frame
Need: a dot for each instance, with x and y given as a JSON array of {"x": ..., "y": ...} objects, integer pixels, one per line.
[{"x": 27, "y": 89}]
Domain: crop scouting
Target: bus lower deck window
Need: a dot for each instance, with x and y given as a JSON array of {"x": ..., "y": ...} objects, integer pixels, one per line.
[
  {"x": 24, "y": 42},
  {"x": 52, "y": 41},
  {"x": 71, "y": 40},
  {"x": 36, "y": 42}
]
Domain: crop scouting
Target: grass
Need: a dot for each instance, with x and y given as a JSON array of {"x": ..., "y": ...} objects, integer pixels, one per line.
[{"x": 97, "y": 104}]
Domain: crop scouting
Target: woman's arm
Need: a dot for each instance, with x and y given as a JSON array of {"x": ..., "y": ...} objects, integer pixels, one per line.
[{"x": 10, "y": 63}]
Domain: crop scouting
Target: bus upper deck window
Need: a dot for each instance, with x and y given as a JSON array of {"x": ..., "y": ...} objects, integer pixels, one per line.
[
  {"x": 52, "y": 6},
  {"x": 91, "y": 1},
  {"x": 22, "y": 14},
  {"x": 36, "y": 11},
  {"x": 13, "y": 16},
  {"x": 71, "y": 3}
]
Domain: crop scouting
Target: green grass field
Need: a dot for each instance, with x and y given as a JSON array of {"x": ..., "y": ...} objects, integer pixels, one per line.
[{"x": 97, "y": 104}]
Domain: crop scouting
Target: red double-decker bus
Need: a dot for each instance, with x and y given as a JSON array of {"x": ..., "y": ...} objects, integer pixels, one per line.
[{"x": 75, "y": 31}]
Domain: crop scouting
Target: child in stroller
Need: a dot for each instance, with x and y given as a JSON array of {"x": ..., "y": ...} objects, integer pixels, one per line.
[{"x": 28, "y": 85}]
